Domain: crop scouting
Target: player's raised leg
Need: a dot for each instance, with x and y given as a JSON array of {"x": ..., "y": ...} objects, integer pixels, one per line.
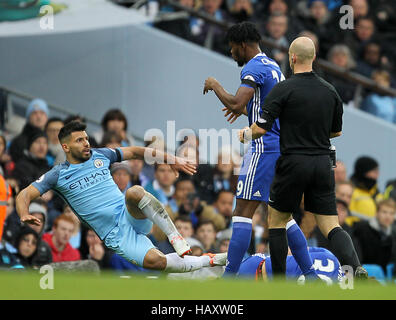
[{"x": 141, "y": 205}]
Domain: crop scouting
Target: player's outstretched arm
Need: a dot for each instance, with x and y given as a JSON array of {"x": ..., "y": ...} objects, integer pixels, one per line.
[
  {"x": 22, "y": 205},
  {"x": 156, "y": 156},
  {"x": 235, "y": 103}
]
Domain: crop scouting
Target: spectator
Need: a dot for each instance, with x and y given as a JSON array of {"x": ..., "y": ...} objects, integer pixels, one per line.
[
  {"x": 26, "y": 244},
  {"x": 191, "y": 205},
  {"x": 340, "y": 173},
  {"x": 37, "y": 116},
  {"x": 209, "y": 181},
  {"x": 390, "y": 191},
  {"x": 375, "y": 240},
  {"x": 321, "y": 22},
  {"x": 184, "y": 227},
  {"x": 241, "y": 10},
  {"x": 379, "y": 105},
  {"x": 265, "y": 9},
  {"x": 115, "y": 120},
  {"x": 208, "y": 35},
  {"x": 206, "y": 234},
  {"x": 5, "y": 197},
  {"x": 58, "y": 240},
  {"x": 175, "y": 21},
  {"x": 96, "y": 250},
  {"x": 75, "y": 239},
  {"x": 223, "y": 240},
  {"x": 6, "y": 163},
  {"x": 341, "y": 56},
  {"x": 276, "y": 30},
  {"x": 224, "y": 204},
  {"x": 344, "y": 191},
  {"x": 162, "y": 187},
  {"x": 111, "y": 139},
  {"x": 121, "y": 173},
  {"x": 360, "y": 8},
  {"x": 55, "y": 152},
  {"x": 343, "y": 214},
  {"x": 363, "y": 33},
  {"x": 137, "y": 175},
  {"x": 196, "y": 247},
  {"x": 34, "y": 163},
  {"x": 365, "y": 194},
  {"x": 43, "y": 254}
]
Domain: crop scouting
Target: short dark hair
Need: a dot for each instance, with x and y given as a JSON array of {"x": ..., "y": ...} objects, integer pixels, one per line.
[
  {"x": 183, "y": 179},
  {"x": 72, "y": 126},
  {"x": 243, "y": 32},
  {"x": 114, "y": 114},
  {"x": 205, "y": 222},
  {"x": 183, "y": 218},
  {"x": 223, "y": 191},
  {"x": 53, "y": 119},
  {"x": 109, "y": 137},
  {"x": 74, "y": 117}
]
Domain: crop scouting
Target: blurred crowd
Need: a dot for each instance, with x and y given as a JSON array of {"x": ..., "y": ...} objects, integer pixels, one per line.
[
  {"x": 201, "y": 206},
  {"x": 368, "y": 47}
]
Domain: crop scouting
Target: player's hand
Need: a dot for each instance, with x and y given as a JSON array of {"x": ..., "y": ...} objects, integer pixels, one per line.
[
  {"x": 232, "y": 116},
  {"x": 29, "y": 219},
  {"x": 183, "y": 165},
  {"x": 243, "y": 137},
  {"x": 209, "y": 84}
]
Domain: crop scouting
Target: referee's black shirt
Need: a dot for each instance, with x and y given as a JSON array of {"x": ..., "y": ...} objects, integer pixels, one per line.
[{"x": 309, "y": 109}]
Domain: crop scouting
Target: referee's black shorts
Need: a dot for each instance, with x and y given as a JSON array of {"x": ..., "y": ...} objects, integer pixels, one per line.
[{"x": 311, "y": 175}]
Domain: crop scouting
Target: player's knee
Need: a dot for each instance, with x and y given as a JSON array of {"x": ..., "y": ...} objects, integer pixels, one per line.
[
  {"x": 135, "y": 194},
  {"x": 154, "y": 260}
]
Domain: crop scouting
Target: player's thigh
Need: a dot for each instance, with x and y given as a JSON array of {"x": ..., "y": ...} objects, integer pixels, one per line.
[
  {"x": 288, "y": 185},
  {"x": 245, "y": 208},
  {"x": 132, "y": 198},
  {"x": 256, "y": 175},
  {"x": 319, "y": 197}
]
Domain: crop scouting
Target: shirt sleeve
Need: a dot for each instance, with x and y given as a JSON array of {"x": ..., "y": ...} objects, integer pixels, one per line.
[
  {"x": 47, "y": 181},
  {"x": 272, "y": 107},
  {"x": 337, "y": 117},
  {"x": 249, "y": 78},
  {"x": 114, "y": 155}
]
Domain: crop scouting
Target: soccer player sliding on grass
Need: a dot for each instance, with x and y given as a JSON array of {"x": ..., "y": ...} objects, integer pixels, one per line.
[{"x": 121, "y": 222}]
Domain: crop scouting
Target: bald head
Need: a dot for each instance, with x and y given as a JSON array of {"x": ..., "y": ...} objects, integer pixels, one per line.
[{"x": 303, "y": 50}]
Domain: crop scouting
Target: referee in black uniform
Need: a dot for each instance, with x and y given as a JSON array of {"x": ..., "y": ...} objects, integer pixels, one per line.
[{"x": 310, "y": 113}]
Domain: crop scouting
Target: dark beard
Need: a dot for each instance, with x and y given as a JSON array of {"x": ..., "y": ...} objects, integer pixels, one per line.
[{"x": 240, "y": 63}]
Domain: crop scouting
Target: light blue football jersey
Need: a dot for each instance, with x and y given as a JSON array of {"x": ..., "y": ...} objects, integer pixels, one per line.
[
  {"x": 89, "y": 189},
  {"x": 262, "y": 73}
]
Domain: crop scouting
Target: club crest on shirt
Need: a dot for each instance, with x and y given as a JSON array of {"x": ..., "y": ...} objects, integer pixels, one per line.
[{"x": 98, "y": 163}]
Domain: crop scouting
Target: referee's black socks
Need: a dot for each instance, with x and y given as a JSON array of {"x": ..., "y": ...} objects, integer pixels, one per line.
[
  {"x": 278, "y": 251},
  {"x": 342, "y": 246}
]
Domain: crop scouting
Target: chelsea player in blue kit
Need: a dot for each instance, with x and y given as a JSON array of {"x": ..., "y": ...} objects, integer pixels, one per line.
[
  {"x": 326, "y": 265},
  {"x": 259, "y": 75},
  {"x": 121, "y": 222}
]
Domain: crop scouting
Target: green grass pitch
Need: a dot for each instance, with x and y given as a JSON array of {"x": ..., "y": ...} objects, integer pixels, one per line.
[{"x": 26, "y": 285}]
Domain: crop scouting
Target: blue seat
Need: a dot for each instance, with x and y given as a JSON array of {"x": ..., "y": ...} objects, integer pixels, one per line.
[{"x": 376, "y": 271}]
